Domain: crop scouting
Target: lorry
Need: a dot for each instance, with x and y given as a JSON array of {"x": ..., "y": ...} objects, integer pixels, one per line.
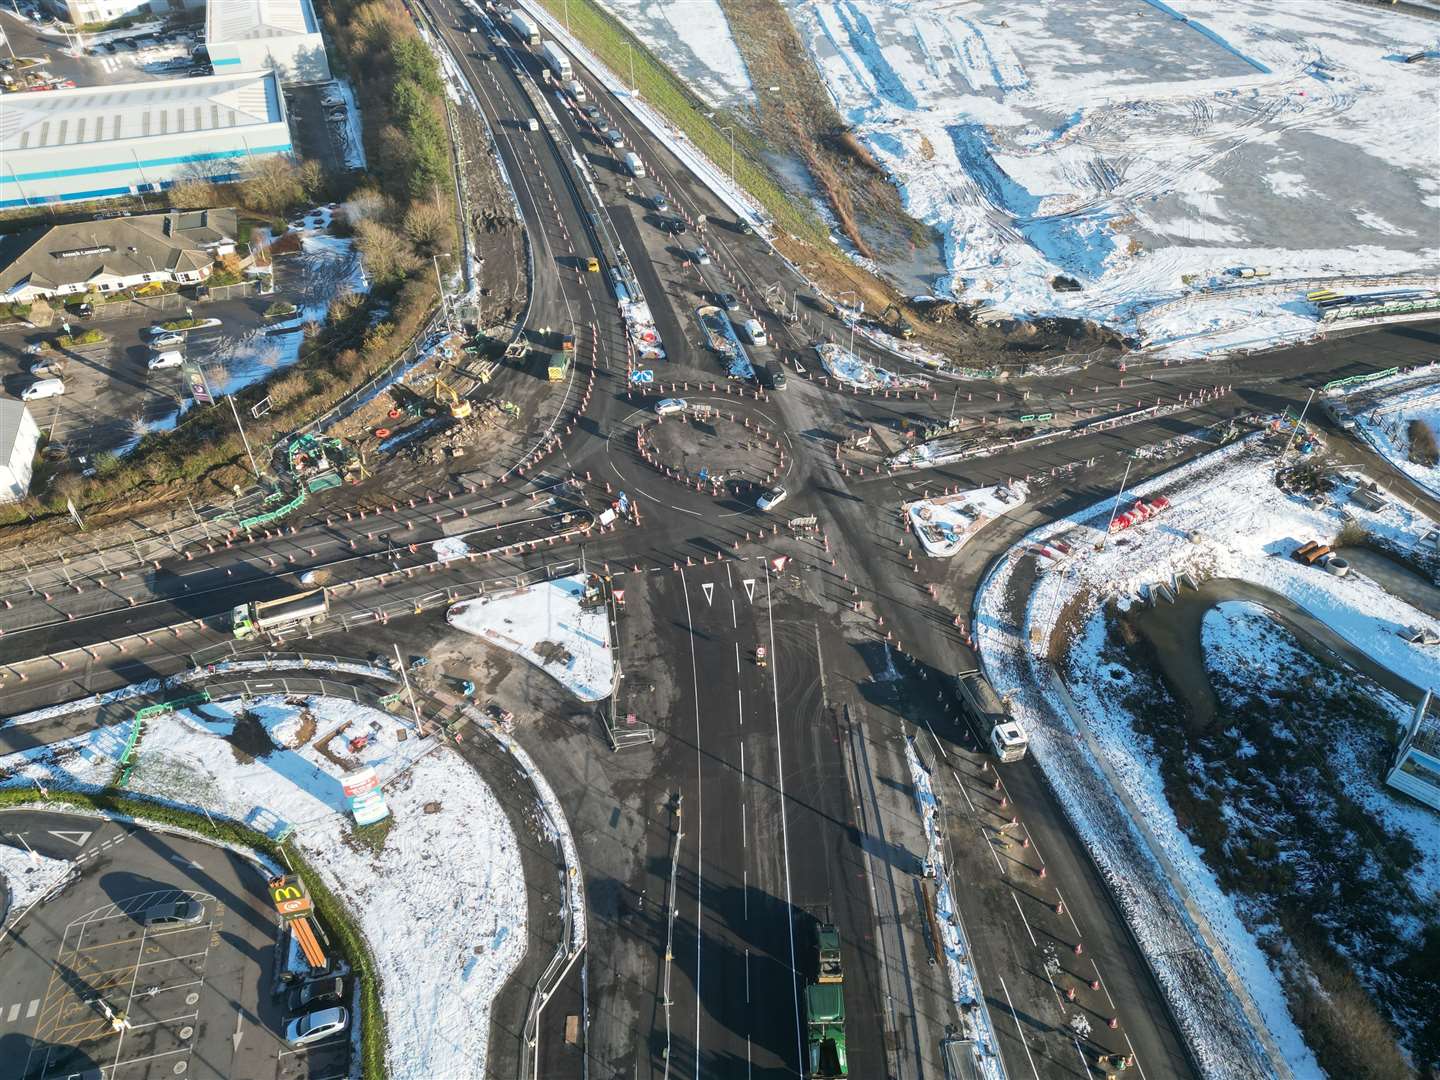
[
  {"x": 988, "y": 717},
  {"x": 559, "y": 366},
  {"x": 524, "y": 28},
  {"x": 268, "y": 616},
  {"x": 557, "y": 61},
  {"x": 826, "y": 1054}
]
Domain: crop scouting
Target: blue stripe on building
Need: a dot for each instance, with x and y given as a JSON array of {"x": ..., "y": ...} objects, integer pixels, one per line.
[{"x": 153, "y": 163}]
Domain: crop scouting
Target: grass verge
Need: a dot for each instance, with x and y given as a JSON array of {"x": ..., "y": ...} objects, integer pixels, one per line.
[{"x": 328, "y": 907}]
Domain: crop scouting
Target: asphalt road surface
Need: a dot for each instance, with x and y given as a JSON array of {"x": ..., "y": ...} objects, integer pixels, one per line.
[{"x": 197, "y": 997}]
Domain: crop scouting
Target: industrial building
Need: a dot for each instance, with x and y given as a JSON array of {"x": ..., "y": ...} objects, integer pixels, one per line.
[
  {"x": 179, "y": 248},
  {"x": 266, "y": 35},
  {"x": 19, "y": 437},
  {"x": 82, "y": 12},
  {"x": 1416, "y": 770},
  {"x": 96, "y": 142}
]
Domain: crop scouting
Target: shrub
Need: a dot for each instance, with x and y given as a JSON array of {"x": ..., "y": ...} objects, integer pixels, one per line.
[
  {"x": 1423, "y": 449},
  {"x": 89, "y": 337}
]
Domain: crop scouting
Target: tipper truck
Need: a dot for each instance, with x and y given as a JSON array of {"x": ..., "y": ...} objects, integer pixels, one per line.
[
  {"x": 525, "y": 28},
  {"x": 825, "y": 1011},
  {"x": 988, "y": 718},
  {"x": 266, "y": 616},
  {"x": 558, "y": 61}
]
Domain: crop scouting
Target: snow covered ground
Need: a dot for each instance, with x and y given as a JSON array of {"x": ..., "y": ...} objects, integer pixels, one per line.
[
  {"x": 851, "y": 369},
  {"x": 693, "y": 39},
  {"x": 547, "y": 625},
  {"x": 1145, "y": 150},
  {"x": 27, "y": 876},
  {"x": 278, "y": 768},
  {"x": 1226, "y": 519},
  {"x": 1387, "y": 427},
  {"x": 945, "y": 524}
]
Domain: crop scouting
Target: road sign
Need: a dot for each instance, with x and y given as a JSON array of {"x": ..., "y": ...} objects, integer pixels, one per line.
[
  {"x": 291, "y": 898},
  {"x": 362, "y": 791},
  {"x": 195, "y": 380},
  {"x": 642, "y": 377}
]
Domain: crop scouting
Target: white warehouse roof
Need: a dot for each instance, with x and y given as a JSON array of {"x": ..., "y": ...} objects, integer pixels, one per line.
[
  {"x": 100, "y": 114},
  {"x": 251, "y": 20}
]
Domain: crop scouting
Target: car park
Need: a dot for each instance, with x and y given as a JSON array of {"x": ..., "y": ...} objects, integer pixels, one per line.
[
  {"x": 670, "y": 406},
  {"x": 327, "y": 991},
  {"x": 182, "y": 912},
  {"x": 43, "y": 388},
  {"x": 772, "y": 498},
  {"x": 170, "y": 358},
  {"x": 313, "y": 1027}
]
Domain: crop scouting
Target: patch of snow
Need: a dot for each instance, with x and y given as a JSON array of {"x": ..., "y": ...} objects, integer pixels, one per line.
[
  {"x": 945, "y": 524},
  {"x": 549, "y": 626},
  {"x": 695, "y": 41},
  {"x": 27, "y": 876},
  {"x": 450, "y": 549},
  {"x": 1387, "y": 428}
]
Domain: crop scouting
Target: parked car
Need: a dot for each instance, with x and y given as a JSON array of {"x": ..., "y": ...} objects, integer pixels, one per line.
[
  {"x": 44, "y": 388},
  {"x": 613, "y": 137},
  {"x": 83, "y": 311},
  {"x": 182, "y": 912},
  {"x": 772, "y": 498},
  {"x": 50, "y": 368},
  {"x": 670, "y": 406},
  {"x": 167, "y": 340},
  {"x": 170, "y": 358},
  {"x": 675, "y": 226},
  {"x": 327, "y": 991},
  {"x": 312, "y": 1027}
]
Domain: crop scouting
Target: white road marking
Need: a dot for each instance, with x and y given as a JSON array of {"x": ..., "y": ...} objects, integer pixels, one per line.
[
  {"x": 699, "y": 819},
  {"x": 1134, "y": 1055},
  {"x": 1067, "y": 912},
  {"x": 1102, "y": 982},
  {"x": 1025, "y": 921},
  {"x": 1018, "y": 1030},
  {"x": 14, "y": 1013},
  {"x": 33, "y": 1009},
  {"x": 962, "y": 790}
]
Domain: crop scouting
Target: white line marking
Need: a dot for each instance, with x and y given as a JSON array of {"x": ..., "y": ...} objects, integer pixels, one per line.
[
  {"x": 1033, "y": 846},
  {"x": 1102, "y": 982},
  {"x": 1134, "y": 1055},
  {"x": 991, "y": 848},
  {"x": 1067, "y": 912},
  {"x": 34, "y": 1007},
  {"x": 962, "y": 790},
  {"x": 699, "y": 819},
  {"x": 14, "y": 1013},
  {"x": 1025, "y": 921},
  {"x": 1018, "y": 1030}
]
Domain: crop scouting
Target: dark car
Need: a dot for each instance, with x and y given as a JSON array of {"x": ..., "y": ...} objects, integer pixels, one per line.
[
  {"x": 777, "y": 377},
  {"x": 660, "y": 203},
  {"x": 592, "y": 113},
  {"x": 83, "y": 311},
  {"x": 727, "y": 301},
  {"x": 675, "y": 226},
  {"x": 326, "y": 991}
]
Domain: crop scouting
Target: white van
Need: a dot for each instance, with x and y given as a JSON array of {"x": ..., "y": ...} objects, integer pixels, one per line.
[
  {"x": 634, "y": 166},
  {"x": 754, "y": 331},
  {"x": 43, "y": 389},
  {"x": 531, "y": 124},
  {"x": 168, "y": 359},
  {"x": 575, "y": 89}
]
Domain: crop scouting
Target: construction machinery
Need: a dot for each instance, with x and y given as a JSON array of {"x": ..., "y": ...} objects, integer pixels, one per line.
[
  {"x": 893, "y": 319},
  {"x": 447, "y": 395},
  {"x": 826, "y": 1053}
]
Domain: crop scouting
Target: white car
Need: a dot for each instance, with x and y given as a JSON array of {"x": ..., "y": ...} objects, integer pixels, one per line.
[
  {"x": 170, "y": 358},
  {"x": 670, "y": 405},
  {"x": 772, "y": 498},
  {"x": 311, "y": 1028},
  {"x": 702, "y": 256},
  {"x": 167, "y": 341}
]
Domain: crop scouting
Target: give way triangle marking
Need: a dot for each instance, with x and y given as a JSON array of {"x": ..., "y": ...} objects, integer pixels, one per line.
[
  {"x": 749, "y": 583},
  {"x": 78, "y": 837},
  {"x": 708, "y": 588}
]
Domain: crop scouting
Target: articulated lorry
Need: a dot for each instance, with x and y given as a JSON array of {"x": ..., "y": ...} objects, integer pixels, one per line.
[
  {"x": 988, "y": 718},
  {"x": 825, "y": 1011},
  {"x": 525, "y": 28},
  {"x": 269, "y": 616},
  {"x": 559, "y": 63}
]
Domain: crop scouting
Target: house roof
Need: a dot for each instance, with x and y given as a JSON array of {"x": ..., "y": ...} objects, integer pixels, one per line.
[
  {"x": 252, "y": 20},
  {"x": 12, "y": 413},
  {"x": 88, "y": 115},
  {"x": 120, "y": 246}
]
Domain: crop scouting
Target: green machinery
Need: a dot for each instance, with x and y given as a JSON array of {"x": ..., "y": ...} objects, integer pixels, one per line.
[{"x": 825, "y": 1010}]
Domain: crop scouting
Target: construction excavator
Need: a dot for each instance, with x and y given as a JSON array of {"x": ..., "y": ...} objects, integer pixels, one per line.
[
  {"x": 894, "y": 320},
  {"x": 447, "y": 395}
]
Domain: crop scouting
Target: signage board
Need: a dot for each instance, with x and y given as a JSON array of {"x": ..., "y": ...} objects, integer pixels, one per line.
[{"x": 362, "y": 792}]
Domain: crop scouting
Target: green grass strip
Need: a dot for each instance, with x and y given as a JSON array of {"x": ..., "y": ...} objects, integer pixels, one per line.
[
  {"x": 328, "y": 907},
  {"x": 612, "y": 43}
]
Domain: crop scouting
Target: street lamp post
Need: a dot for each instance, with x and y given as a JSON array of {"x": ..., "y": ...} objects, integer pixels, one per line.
[
  {"x": 243, "y": 437},
  {"x": 854, "y": 315}
]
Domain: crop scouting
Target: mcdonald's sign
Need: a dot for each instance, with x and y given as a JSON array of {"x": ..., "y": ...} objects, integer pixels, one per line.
[{"x": 292, "y": 899}]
